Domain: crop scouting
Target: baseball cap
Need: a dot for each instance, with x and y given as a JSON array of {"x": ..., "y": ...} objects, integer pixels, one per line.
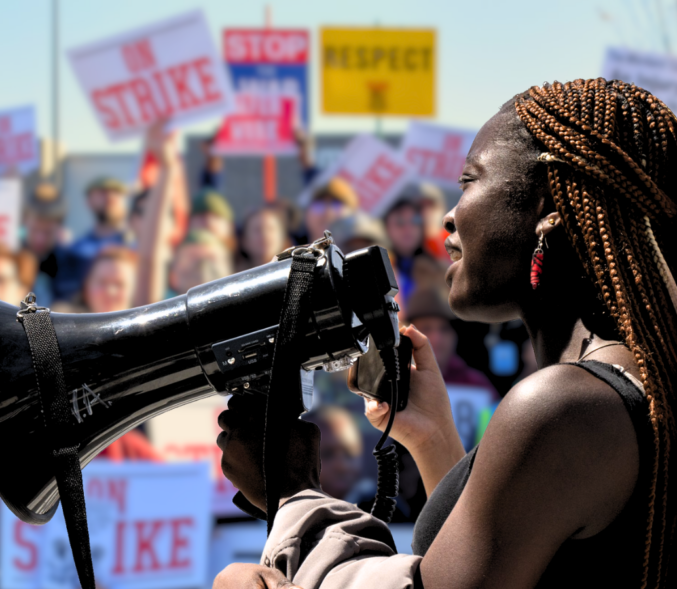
[
  {"x": 46, "y": 201},
  {"x": 359, "y": 225},
  {"x": 418, "y": 191},
  {"x": 106, "y": 183},
  {"x": 210, "y": 201},
  {"x": 339, "y": 189}
]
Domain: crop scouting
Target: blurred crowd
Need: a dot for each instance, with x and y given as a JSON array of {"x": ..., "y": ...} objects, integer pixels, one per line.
[{"x": 155, "y": 240}]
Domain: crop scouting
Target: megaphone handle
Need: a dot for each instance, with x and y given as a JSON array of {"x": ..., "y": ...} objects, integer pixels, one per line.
[{"x": 58, "y": 421}]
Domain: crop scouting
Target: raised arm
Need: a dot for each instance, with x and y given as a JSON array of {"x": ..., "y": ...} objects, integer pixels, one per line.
[{"x": 154, "y": 239}]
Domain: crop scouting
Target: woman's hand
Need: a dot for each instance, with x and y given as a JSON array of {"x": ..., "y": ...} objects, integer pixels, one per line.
[
  {"x": 251, "y": 576},
  {"x": 241, "y": 441},
  {"x": 426, "y": 427}
]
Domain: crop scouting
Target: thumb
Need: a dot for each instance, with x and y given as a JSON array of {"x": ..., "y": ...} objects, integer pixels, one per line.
[{"x": 422, "y": 350}]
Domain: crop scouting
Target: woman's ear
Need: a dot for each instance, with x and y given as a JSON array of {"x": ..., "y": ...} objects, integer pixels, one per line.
[{"x": 548, "y": 223}]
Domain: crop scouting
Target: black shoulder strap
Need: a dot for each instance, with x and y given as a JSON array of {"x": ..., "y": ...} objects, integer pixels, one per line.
[
  {"x": 59, "y": 423},
  {"x": 284, "y": 403}
]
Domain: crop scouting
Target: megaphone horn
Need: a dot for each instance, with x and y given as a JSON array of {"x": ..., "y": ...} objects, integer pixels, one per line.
[{"x": 124, "y": 368}]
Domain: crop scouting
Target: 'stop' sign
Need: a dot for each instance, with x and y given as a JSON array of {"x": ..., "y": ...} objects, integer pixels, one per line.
[
  {"x": 378, "y": 71},
  {"x": 289, "y": 46}
]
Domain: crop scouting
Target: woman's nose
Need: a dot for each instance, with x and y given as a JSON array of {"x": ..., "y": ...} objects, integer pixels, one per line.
[{"x": 449, "y": 222}]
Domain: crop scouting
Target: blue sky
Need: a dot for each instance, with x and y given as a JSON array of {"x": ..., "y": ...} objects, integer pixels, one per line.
[{"x": 488, "y": 50}]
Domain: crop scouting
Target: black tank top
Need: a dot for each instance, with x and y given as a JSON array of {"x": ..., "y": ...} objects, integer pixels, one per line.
[{"x": 611, "y": 558}]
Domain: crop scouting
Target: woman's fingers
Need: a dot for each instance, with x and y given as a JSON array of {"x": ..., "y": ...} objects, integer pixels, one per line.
[
  {"x": 422, "y": 351},
  {"x": 376, "y": 412}
]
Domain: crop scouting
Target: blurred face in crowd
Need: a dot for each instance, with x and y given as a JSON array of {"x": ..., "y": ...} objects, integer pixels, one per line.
[
  {"x": 322, "y": 212},
  {"x": 11, "y": 289},
  {"x": 432, "y": 213},
  {"x": 264, "y": 235},
  {"x": 217, "y": 225},
  {"x": 341, "y": 457},
  {"x": 42, "y": 233},
  {"x": 197, "y": 263},
  {"x": 108, "y": 206},
  {"x": 404, "y": 227},
  {"x": 110, "y": 286},
  {"x": 442, "y": 337}
]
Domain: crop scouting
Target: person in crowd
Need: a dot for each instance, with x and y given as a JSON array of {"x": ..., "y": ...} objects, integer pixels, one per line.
[
  {"x": 263, "y": 236},
  {"x": 108, "y": 286},
  {"x": 430, "y": 314},
  {"x": 17, "y": 274},
  {"x": 357, "y": 231},
  {"x": 45, "y": 236},
  {"x": 107, "y": 200},
  {"x": 573, "y": 482},
  {"x": 404, "y": 228},
  {"x": 201, "y": 258},
  {"x": 341, "y": 452},
  {"x": 212, "y": 212},
  {"x": 332, "y": 201},
  {"x": 433, "y": 206},
  {"x": 212, "y": 170}
]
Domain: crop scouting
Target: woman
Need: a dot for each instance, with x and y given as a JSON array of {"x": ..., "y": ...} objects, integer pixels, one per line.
[
  {"x": 264, "y": 235},
  {"x": 567, "y": 220}
]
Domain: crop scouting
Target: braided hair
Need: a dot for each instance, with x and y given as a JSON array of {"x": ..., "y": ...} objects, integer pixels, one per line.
[{"x": 611, "y": 158}]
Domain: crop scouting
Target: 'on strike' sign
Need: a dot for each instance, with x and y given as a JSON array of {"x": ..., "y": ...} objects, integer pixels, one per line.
[
  {"x": 168, "y": 70},
  {"x": 18, "y": 144}
]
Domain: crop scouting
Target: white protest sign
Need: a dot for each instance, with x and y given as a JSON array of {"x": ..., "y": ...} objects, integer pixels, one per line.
[
  {"x": 655, "y": 72},
  {"x": 20, "y": 555},
  {"x": 18, "y": 144},
  {"x": 436, "y": 153},
  {"x": 10, "y": 211},
  {"x": 190, "y": 434},
  {"x": 149, "y": 527},
  {"x": 467, "y": 405},
  {"x": 170, "y": 69},
  {"x": 374, "y": 169}
]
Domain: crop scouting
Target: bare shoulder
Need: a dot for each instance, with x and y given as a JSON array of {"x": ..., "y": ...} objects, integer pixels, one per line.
[{"x": 565, "y": 430}]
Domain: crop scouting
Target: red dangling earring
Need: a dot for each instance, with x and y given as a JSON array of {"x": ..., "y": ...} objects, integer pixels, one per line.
[{"x": 537, "y": 262}]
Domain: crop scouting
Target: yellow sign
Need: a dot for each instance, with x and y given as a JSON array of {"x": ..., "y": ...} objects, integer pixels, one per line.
[{"x": 378, "y": 71}]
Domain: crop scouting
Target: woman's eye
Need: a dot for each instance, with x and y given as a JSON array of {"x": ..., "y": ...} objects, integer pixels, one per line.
[{"x": 464, "y": 180}]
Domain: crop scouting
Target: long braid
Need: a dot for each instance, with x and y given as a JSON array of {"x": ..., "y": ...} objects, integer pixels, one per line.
[{"x": 612, "y": 170}]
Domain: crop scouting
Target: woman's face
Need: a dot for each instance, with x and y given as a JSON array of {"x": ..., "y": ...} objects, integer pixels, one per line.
[
  {"x": 264, "y": 236},
  {"x": 492, "y": 240},
  {"x": 404, "y": 227},
  {"x": 110, "y": 286}
]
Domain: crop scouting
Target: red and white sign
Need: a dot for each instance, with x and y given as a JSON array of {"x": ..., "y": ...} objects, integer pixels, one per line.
[
  {"x": 263, "y": 123},
  {"x": 10, "y": 211},
  {"x": 375, "y": 170},
  {"x": 18, "y": 145},
  {"x": 274, "y": 46},
  {"x": 168, "y": 70},
  {"x": 436, "y": 153},
  {"x": 190, "y": 434}
]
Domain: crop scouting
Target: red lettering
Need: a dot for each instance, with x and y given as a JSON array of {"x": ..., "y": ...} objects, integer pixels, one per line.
[
  {"x": 178, "y": 75},
  {"x": 168, "y": 110},
  {"x": 202, "y": 67},
  {"x": 144, "y": 96},
  {"x": 110, "y": 117},
  {"x": 119, "y": 567},
  {"x": 32, "y": 561},
  {"x": 178, "y": 542},
  {"x": 138, "y": 56},
  {"x": 117, "y": 491},
  {"x": 146, "y": 533}
]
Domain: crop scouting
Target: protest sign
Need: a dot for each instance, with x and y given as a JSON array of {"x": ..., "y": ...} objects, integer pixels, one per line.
[
  {"x": 190, "y": 434},
  {"x": 469, "y": 406},
  {"x": 269, "y": 69},
  {"x": 436, "y": 153},
  {"x": 167, "y": 70},
  {"x": 10, "y": 211},
  {"x": 374, "y": 169},
  {"x": 378, "y": 71},
  {"x": 149, "y": 527},
  {"x": 20, "y": 554},
  {"x": 654, "y": 72},
  {"x": 19, "y": 149}
]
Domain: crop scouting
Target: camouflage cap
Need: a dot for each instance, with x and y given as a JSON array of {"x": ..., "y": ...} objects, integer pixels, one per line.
[
  {"x": 106, "y": 183},
  {"x": 210, "y": 201},
  {"x": 45, "y": 201}
]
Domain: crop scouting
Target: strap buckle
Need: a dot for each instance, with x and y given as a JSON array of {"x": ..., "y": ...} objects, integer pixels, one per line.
[
  {"x": 316, "y": 248},
  {"x": 29, "y": 305}
]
